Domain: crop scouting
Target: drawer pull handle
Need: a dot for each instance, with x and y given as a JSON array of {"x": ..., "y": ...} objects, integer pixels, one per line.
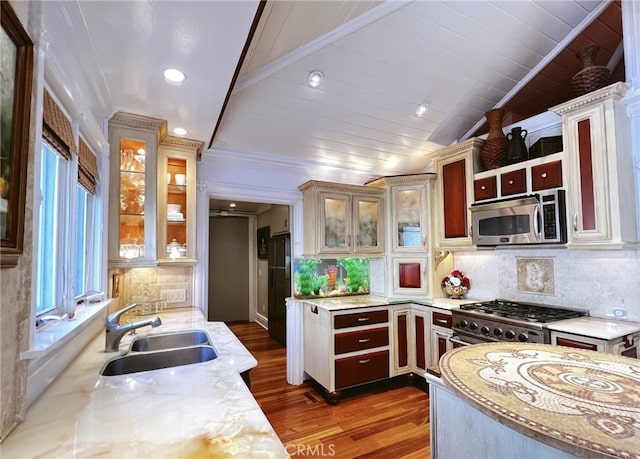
[
  {"x": 362, "y": 319},
  {"x": 510, "y": 182},
  {"x": 364, "y": 340},
  {"x": 364, "y": 361},
  {"x": 441, "y": 321},
  {"x": 543, "y": 175}
]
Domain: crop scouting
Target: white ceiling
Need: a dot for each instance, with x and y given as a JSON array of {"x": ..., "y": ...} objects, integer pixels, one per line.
[{"x": 380, "y": 60}]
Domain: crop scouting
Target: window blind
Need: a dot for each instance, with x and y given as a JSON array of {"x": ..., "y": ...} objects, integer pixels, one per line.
[
  {"x": 87, "y": 168},
  {"x": 57, "y": 127}
]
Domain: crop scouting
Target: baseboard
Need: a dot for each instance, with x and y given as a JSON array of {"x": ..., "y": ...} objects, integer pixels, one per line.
[{"x": 262, "y": 321}]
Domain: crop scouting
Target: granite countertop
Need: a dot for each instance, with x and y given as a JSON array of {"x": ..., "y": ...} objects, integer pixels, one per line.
[
  {"x": 583, "y": 402},
  {"x": 362, "y": 301},
  {"x": 192, "y": 411},
  {"x": 596, "y": 327}
]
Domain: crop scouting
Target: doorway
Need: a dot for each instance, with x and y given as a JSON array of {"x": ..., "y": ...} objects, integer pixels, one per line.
[{"x": 228, "y": 299}]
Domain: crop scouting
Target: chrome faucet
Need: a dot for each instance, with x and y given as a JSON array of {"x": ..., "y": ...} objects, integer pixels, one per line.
[{"x": 115, "y": 331}]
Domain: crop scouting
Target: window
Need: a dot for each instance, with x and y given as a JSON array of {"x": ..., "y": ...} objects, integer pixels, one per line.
[
  {"x": 68, "y": 251},
  {"x": 68, "y": 255},
  {"x": 81, "y": 241},
  {"x": 51, "y": 247}
]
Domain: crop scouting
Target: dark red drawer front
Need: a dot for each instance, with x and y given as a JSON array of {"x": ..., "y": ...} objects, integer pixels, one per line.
[
  {"x": 360, "y": 318},
  {"x": 441, "y": 320},
  {"x": 359, "y": 340},
  {"x": 514, "y": 182},
  {"x": 546, "y": 176},
  {"x": 351, "y": 371},
  {"x": 485, "y": 188}
]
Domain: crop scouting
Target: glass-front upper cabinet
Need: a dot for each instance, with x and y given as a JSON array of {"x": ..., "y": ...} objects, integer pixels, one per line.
[
  {"x": 133, "y": 189},
  {"x": 409, "y": 213},
  {"x": 177, "y": 198}
]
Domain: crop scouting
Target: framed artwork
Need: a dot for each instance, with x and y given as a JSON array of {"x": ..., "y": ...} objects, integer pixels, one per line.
[
  {"x": 16, "y": 70},
  {"x": 264, "y": 234}
]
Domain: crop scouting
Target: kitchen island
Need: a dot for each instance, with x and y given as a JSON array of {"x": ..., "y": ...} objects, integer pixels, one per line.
[
  {"x": 535, "y": 400},
  {"x": 191, "y": 411}
]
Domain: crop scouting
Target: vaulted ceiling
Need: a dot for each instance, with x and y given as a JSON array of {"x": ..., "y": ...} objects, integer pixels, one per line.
[{"x": 380, "y": 60}]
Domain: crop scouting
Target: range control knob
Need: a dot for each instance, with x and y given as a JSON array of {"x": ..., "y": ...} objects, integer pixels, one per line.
[
  {"x": 473, "y": 326},
  {"x": 497, "y": 331},
  {"x": 485, "y": 330},
  {"x": 523, "y": 337},
  {"x": 509, "y": 334},
  {"x": 464, "y": 324}
]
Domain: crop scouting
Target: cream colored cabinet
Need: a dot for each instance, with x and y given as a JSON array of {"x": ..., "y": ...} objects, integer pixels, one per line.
[
  {"x": 346, "y": 348},
  {"x": 177, "y": 199},
  {"x": 455, "y": 167},
  {"x": 409, "y": 233},
  {"x": 279, "y": 219},
  {"x": 628, "y": 345},
  {"x": 421, "y": 336},
  {"x": 599, "y": 172},
  {"x": 440, "y": 334},
  {"x": 342, "y": 219},
  {"x": 402, "y": 351},
  {"x": 133, "y": 189}
]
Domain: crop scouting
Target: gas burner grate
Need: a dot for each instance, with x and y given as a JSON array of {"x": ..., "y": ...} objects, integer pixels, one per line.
[{"x": 521, "y": 311}]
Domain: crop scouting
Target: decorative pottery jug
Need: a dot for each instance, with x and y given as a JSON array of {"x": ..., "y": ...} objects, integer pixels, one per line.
[
  {"x": 493, "y": 153},
  {"x": 517, "y": 149},
  {"x": 592, "y": 76}
]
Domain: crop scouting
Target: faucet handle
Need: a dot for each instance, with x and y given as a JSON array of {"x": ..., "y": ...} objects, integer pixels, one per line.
[{"x": 113, "y": 319}]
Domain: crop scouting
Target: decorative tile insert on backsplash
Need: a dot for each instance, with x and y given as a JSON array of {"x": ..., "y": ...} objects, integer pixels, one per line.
[{"x": 536, "y": 275}]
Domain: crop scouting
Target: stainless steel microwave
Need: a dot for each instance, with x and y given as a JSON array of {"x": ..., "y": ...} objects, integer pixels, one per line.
[{"x": 534, "y": 219}]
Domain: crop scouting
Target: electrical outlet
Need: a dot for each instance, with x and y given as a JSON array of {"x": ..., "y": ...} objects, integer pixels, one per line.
[{"x": 620, "y": 313}]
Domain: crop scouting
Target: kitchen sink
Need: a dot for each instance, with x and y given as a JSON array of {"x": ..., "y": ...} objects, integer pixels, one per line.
[
  {"x": 170, "y": 340},
  {"x": 147, "y": 361}
]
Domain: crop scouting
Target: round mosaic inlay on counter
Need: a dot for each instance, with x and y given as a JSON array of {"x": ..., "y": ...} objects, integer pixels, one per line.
[{"x": 583, "y": 402}]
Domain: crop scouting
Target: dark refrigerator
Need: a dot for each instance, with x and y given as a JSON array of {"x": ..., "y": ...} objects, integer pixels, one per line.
[{"x": 279, "y": 286}]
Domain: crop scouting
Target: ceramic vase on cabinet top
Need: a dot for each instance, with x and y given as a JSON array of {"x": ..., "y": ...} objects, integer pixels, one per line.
[
  {"x": 592, "y": 76},
  {"x": 517, "y": 149},
  {"x": 493, "y": 153}
]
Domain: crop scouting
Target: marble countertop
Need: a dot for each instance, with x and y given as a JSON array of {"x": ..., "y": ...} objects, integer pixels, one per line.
[
  {"x": 362, "y": 301},
  {"x": 596, "y": 327},
  {"x": 583, "y": 402},
  {"x": 192, "y": 411}
]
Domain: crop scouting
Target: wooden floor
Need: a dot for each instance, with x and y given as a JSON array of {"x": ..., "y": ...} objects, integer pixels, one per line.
[{"x": 384, "y": 420}]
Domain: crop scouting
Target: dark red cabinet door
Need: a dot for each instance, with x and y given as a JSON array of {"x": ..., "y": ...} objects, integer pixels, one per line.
[{"x": 454, "y": 194}]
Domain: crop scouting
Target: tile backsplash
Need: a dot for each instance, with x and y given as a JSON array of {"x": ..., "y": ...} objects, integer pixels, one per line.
[{"x": 599, "y": 280}]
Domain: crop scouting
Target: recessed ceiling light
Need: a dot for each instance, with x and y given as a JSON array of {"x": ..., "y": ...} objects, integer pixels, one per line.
[
  {"x": 315, "y": 78},
  {"x": 179, "y": 131},
  {"x": 422, "y": 109},
  {"x": 174, "y": 76}
]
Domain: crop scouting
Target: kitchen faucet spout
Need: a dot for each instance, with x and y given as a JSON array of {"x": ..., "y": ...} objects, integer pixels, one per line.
[{"x": 115, "y": 332}]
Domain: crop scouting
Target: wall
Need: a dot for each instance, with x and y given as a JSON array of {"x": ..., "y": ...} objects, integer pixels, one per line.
[
  {"x": 262, "y": 278},
  {"x": 15, "y": 301},
  {"x": 598, "y": 280}
]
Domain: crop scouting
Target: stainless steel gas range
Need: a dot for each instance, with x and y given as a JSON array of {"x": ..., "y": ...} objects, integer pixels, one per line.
[{"x": 503, "y": 320}]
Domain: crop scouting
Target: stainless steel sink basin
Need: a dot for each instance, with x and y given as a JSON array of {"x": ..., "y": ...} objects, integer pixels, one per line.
[
  {"x": 137, "y": 362},
  {"x": 170, "y": 340}
]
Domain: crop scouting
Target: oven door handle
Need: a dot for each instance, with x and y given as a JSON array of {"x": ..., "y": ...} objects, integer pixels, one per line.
[{"x": 454, "y": 339}]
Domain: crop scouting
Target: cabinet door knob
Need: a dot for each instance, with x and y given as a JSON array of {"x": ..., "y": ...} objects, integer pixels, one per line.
[
  {"x": 483, "y": 187},
  {"x": 510, "y": 182},
  {"x": 543, "y": 175}
]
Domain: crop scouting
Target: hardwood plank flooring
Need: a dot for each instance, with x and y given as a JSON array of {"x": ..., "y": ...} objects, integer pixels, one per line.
[{"x": 389, "y": 420}]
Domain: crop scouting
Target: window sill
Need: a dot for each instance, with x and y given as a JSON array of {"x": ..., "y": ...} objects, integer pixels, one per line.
[{"x": 53, "y": 337}]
